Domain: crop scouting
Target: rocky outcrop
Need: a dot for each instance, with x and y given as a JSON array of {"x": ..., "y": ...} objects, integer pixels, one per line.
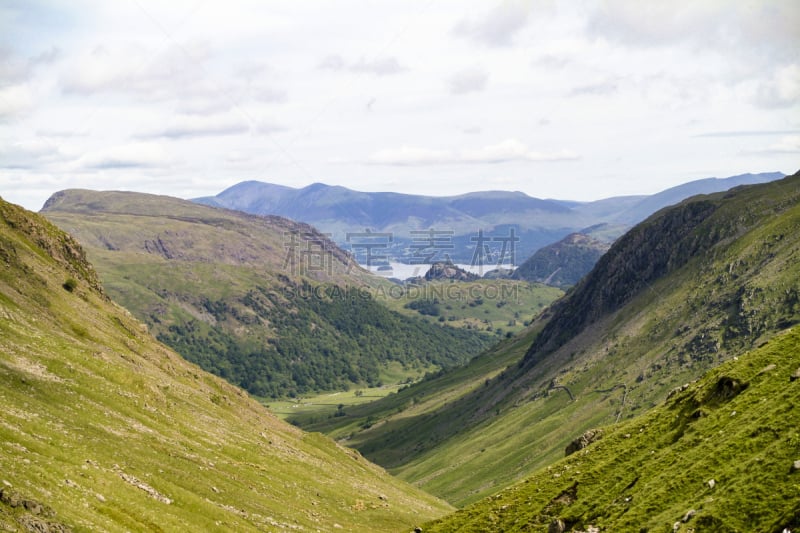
[
  {"x": 30, "y": 514},
  {"x": 583, "y": 441},
  {"x": 449, "y": 271}
]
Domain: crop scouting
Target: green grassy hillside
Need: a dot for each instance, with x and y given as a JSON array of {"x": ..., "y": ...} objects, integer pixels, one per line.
[
  {"x": 267, "y": 303},
  {"x": 688, "y": 289},
  {"x": 721, "y": 454},
  {"x": 103, "y": 428}
]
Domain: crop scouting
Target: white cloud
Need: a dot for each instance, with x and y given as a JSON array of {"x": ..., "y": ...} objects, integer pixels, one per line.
[
  {"x": 384, "y": 66},
  {"x": 203, "y": 80},
  {"x": 200, "y": 126},
  {"x": 12, "y": 68},
  {"x": 468, "y": 80},
  {"x": 743, "y": 133},
  {"x": 132, "y": 155},
  {"x": 204, "y": 105},
  {"x": 514, "y": 150},
  {"x": 377, "y": 66},
  {"x": 332, "y": 62},
  {"x": 498, "y": 26},
  {"x": 47, "y": 57},
  {"x": 15, "y": 100},
  {"x": 783, "y": 90},
  {"x": 61, "y": 133},
  {"x": 786, "y": 145},
  {"x": 266, "y": 94},
  {"x": 552, "y": 61},
  {"x": 600, "y": 88},
  {"x": 410, "y": 155},
  {"x": 29, "y": 154},
  {"x": 767, "y": 28},
  {"x": 503, "y": 152},
  {"x": 147, "y": 72},
  {"x": 653, "y": 23}
]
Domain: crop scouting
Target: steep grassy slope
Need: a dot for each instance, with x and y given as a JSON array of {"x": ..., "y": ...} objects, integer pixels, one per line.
[
  {"x": 689, "y": 288},
  {"x": 722, "y": 454},
  {"x": 103, "y": 428},
  {"x": 267, "y": 303}
]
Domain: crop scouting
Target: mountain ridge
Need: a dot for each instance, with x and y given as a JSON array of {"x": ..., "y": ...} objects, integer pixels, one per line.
[{"x": 339, "y": 211}]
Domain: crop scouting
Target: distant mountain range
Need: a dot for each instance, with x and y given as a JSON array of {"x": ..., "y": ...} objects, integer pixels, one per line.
[{"x": 474, "y": 228}]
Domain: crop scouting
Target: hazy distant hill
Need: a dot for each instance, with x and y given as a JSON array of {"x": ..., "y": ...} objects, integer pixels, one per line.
[
  {"x": 689, "y": 288},
  {"x": 267, "y": 303},
  {"x": 104, "y": 429},
  {"x": 650, "y": 204},
  {"x": 338, "y": 211}
]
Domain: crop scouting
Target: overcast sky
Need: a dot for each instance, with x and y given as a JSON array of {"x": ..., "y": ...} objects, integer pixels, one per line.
[{"x": 571, "y": 100}]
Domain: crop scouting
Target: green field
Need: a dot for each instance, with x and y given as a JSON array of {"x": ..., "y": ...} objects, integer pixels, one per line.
[
  {"x": 497, "y": 306},
  {"x": 311, "y": 409},
  {"x": 319, "y": 408}
]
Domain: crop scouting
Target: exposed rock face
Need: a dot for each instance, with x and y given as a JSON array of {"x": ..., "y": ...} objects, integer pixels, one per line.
[{"x": 583, "y": 441}]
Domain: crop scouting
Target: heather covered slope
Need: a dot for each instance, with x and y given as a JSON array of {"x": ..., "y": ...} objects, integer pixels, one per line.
[
  {"x": 103, "y": 428},
  {"x": 721, "y": 454},
  {"x": 686, "y": 290},
  {"x": 267, "y": 303}
]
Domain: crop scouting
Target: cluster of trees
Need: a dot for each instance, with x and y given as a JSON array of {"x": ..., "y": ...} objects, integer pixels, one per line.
[
  {"x": 322, "y": 343},
  {"x": 425, "y": 306}
]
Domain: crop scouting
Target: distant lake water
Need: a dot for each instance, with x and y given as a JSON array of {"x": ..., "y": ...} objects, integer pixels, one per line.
[{"x": 404, "y": 271}]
